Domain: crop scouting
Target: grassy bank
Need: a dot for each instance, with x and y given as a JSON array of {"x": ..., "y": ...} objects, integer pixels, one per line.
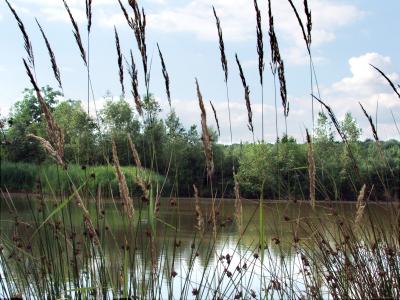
[{"x": 49, "y": 178}]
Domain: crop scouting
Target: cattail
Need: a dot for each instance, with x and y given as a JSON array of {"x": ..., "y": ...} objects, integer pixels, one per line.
[
  {"x": 216, "y": 118},
  {"x": 54, "y": 132},
  {"x": 205, "y": 135},
  {"x": 86, "y": 217},
  {"x": 123, "y": 187},
  {"x": 89, "y": 14},
  {"x": 76, "y": 33},
  {"x": 120, "y": 67},
  {"x": 27, "y": 41},
  {"x": 165, "y": 75},
  {"x": 135, "y": 86},
  {"x": 48, "y": 148},
  {"x": 54, "y": 66},
  {"x": 360, "y": 206},
  {"x": 199, "y": 215},
  {"x": 301, "y": 24},
  {"x": 311, "y": 169},
  {"x": 388, "y": 80},
  {"x": 246, "y": 96},
  {"x": 260, "y": 44},
  {"x": 307, "y": 11},
  {"x": 224, "y": 62},
  {"x": 238, "y": 200}
]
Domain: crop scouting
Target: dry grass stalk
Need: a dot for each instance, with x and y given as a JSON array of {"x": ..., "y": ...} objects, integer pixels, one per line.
[
  {"x": 199, "y": 215},
  {"x": 246, "y": 96},
  {"x": 165, "y": 75},
  {"x": 216, "y": 118},
  {"x": 86, "y": 217},
  {"x": 120, "y": 67},
  {"x": 54, "y": 132},
  {"x": 311, "y": 169},
  {"x": 360, "y": 206},
  {"x": 124, "y": 11},
  {"x": 224, "y": 62},
  {"x": 135, "y": 86},
  {"x": 238, "y": 201},
  {"x": 123, "y": 187},
  {"x": 260, "y": 44},
  {"x": 49, "y": 149},
  {"x": 54, "y": 66},
  {"x": 301, "y": 24},
  {"x": 89, "y": 14},
  {"x": 27, "y": 42},
  {"x": 388, "y": 80},
  {"x": 283, "y": 90},
  {"x": 140, "y": 180},
  {"x": 205, "y": 134},
  {"x": 76, "y": 33}
]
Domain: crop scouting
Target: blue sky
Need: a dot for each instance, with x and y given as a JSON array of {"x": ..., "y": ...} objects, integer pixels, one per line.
[{"x": 347, "y": 36}]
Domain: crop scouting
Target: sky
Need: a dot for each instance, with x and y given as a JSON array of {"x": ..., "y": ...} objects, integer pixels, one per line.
[{"x": 348, "y": 35}]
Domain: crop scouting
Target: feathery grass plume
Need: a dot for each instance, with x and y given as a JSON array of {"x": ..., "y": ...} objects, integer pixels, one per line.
[
  {"x": 199, "y": 215},
  {"x": 283, "y": 90},
  {"x": 374, "y": 132},
  {"x": 216, "y": 118},
  {"x": 27, "y": 41},
  {"x": 360, "y": 206},
  {"x": 140, "y": 180},
  {"x": 246, "y": 96},
  {"x": 135, "y": 86},
  {"x": 138, "y": 24},
  {"x": 224, "y": 62},
  {"x": 165, "y": 74},
  {"x": 273, "y": 41},
  {"x": 301, "y": 24},
  {"x": 120, "y": 67},
  {"x": 86, "y": 217},
  {"x": 89, "y": 14},
  {"x": 205, "y": 134},
  {"x": 340, "y": 132},
  {"x": 123, "y": 187},
  {"x": 238, "y": 201},
  {"x": 388, "y": 80},
  {"x": 307, "y": 11},
  {"x": 76, "y": 33},
  {"x": 260, "y": 44},
  {"x": 124, "y": 11},
  {"x": 48, "y": 148},
  {"x": 54, "y": 65},
  {"x": 311, "y": 169},
  {"x": 54, "y": 132}
]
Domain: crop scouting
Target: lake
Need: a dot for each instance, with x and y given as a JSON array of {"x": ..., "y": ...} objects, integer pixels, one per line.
[{"x": 170, "y": 257}]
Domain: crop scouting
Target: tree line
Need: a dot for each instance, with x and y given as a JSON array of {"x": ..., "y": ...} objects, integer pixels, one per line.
[{"x": 273, "y": 171}]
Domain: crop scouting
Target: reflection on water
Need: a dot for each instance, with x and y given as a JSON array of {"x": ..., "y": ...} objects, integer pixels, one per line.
[{"x": 180, "y": 261}]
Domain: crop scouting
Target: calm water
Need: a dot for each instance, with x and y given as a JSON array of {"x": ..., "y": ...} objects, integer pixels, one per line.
[{"x": 175, "y": 246}]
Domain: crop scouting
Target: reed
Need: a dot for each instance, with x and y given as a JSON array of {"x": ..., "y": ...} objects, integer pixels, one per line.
[
  {"x": 311, "y": 169},
  {"x": 120, "y": 67},
  {"x": 216, "y": 118},
  {"x": 165, "y": 75},
  {"x": 246, "y": 97},
  {"x": 54, "y": 66},
  {"x": 76, "y": 33},
  {"x": 135, "y": 86},
  {"x": 388, "y": 80},
  {"x": 360, "y": 206}
]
